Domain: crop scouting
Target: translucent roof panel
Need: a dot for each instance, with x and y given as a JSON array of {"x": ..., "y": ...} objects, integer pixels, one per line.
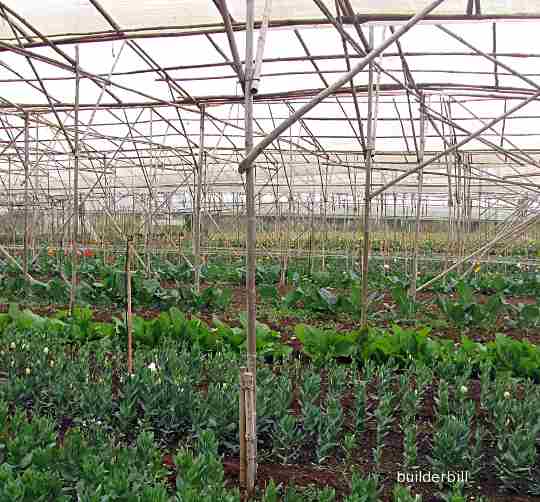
[{"x": 69, "y": 17}]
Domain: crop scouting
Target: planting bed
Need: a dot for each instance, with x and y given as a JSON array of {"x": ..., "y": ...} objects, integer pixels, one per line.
[{"x": 446, "y": 383}]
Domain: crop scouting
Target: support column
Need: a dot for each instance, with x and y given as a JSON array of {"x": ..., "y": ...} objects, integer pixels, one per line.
[
  {"x": 367, "y": 189},
  {"x": 26, "y": 199},
  {"x": 75, "y": 227},
  {"x": 248, "y": 432},
  {"x": 418, "y": 198},
  {"x": 196, "y": 231}
]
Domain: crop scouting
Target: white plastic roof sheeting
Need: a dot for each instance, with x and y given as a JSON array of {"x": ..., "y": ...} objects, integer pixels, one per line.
[
  {"x": 183, "y": 57},
  {"x": 58, "y": 17}
]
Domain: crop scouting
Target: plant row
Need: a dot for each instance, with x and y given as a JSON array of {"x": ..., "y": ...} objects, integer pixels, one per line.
[{"x": 341, "y": 415}]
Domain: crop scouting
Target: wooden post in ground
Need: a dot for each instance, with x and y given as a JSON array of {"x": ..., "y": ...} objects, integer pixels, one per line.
[
  {"x": 251, "y": 432},
  {"x": 248, "y": 420},
  {"x": 196, "y": 230},
  {"x": 367, "y": 191},
  {"x": 248, "y": 434},
  {"x": 418, "y": 199},
  {"x": 75, "y": 227},
  {"x": 129, "y": 314},
  {"x": 243, "y": 451},
  {"x": 251, "y": 240},
  {"x": 26, "y": 199}
]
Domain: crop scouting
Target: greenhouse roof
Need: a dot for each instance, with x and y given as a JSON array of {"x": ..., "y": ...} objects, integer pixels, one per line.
[{"x": 147, "y": 68}]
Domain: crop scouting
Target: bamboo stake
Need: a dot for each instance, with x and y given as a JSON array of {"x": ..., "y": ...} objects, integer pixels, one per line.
[
  {"x": 129, "y": 314},
  {"x": 367, "y": 189},
  {"x": 75, "y": 227},
  {"x": 248, "y": 395},
  {"x": 243, "y": 451},
  {"x": 260, "y": 47},
  {"x": 418, "y": 199},
  {"x": 196, "y": 230},
  {"x": 26, "y": 199},
  {"x": 251, "y": 244}
]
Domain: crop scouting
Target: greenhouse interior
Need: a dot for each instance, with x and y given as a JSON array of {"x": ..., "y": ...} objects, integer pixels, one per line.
[{"x": 269, "y": 250}]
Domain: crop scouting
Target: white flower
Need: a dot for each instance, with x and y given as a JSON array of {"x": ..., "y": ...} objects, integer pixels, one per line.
[
  {"x": 2, "y": 352},
  {"x": 152, "y": 367},
  {"x": 12, "y": 345},
  {"x": 28, "y": 371},
  {"x": 506, "y": 395},
  {"x": 46, "y": 350},
  {"x": 24, "y": 346},
  {"x": 464, "y": 389},
  {"x": 51, "y": 363},
  {"x": 386, "y": 266},
  {"x": 518, "y": 265}
]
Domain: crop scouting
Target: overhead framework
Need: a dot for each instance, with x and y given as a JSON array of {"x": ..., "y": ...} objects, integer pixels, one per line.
[{"x": 131, "y": 115}]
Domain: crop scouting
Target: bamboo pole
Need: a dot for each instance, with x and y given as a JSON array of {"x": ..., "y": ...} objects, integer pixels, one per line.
[
  {"x": 248, "y": 386},
  {"x": 418, "y": 199},
  {"x": 243, "y": 450},
  {"x": 75, "y": 227},
  {"x": 251, "y": 244},
  {"x": 26, "y": 199},
  {"x": 260, "y": 47},
  {"x": 196, "y": 230},
  {"x": 224, "y": 11},
  {"x": 367, "y": 189},
  {"x": 129, "y": 314}
]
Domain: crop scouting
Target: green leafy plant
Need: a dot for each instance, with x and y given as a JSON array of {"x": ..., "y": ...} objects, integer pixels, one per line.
[
  {"x": 516, "y": 459},
  {"x": 323, "y": 345},
  {"x": 364, "y": 489},
  {"x": 400, "y": 344},
  {"x": 466, "y": 311},
  {"x": 401, "y": 493},
  {"x": 268, "y": 341},
  {"x": 286, "y": 438},
  {"x": 330, "y": 424}
]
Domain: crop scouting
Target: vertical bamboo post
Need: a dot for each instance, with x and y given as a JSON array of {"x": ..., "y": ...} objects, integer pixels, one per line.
[
  {"x": 250, "y": 409},
  {"x": 147, "y": 208},
  {"x": 10, "y": 204},
  {"x": 75, "y": 227},
  {"x": 129, "y": 313},
  {"x": 196, "y": 230},
  {"x": 418, "y": 198},
  {"x": 243, "y": 451},
  {"x": 459, "y": 202},
  {"x": 311, "y": 230},
  {"x": 367, "y": 190},
  {"x": 251, "y": 432},
  {"x": 248, "y": 442},
  {"x": 250, "y": 194},
  {"x": 26, "y": 199}
]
